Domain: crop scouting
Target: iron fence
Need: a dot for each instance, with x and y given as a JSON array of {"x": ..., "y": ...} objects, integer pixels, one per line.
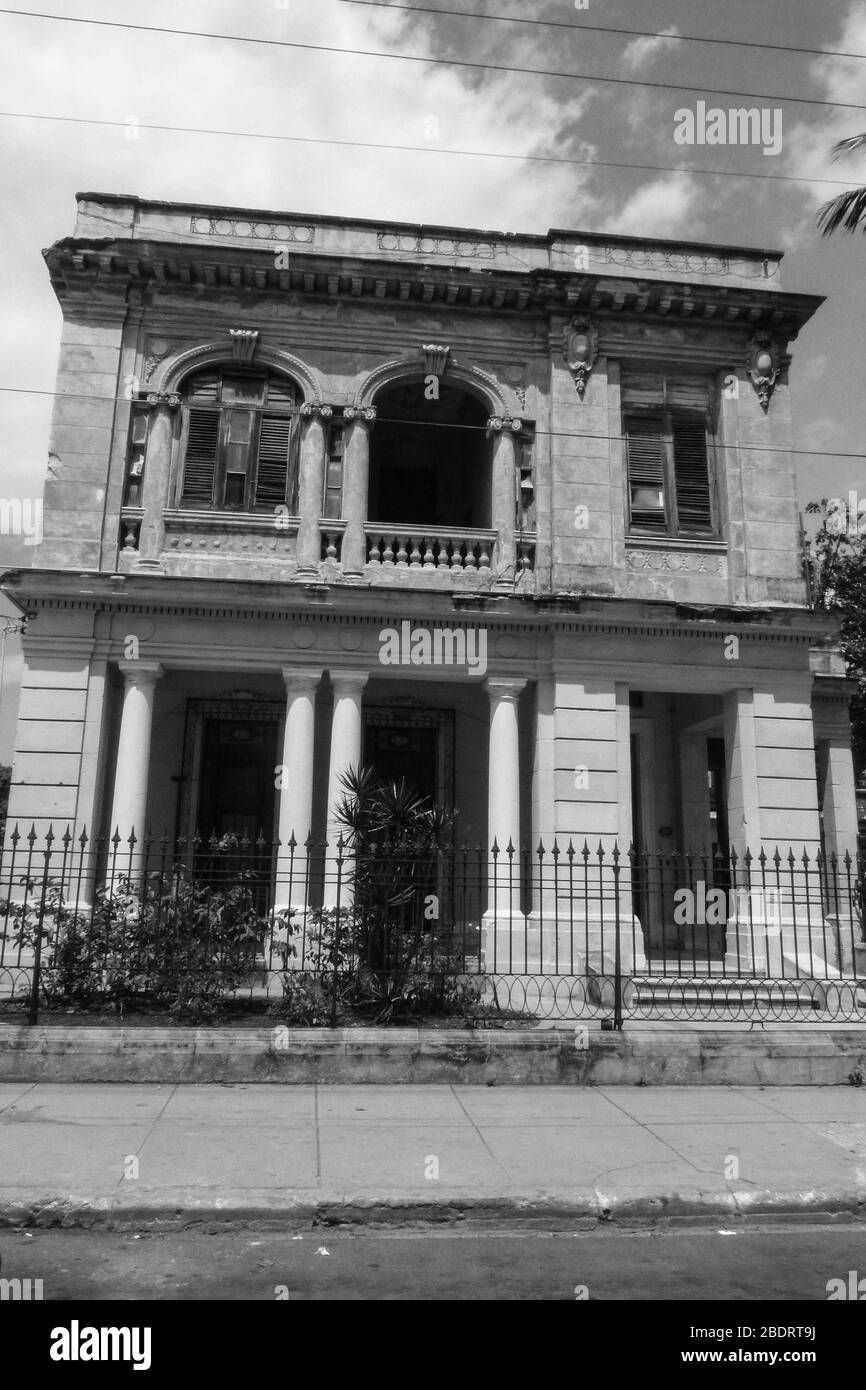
[{"x": 375, "y": 929}]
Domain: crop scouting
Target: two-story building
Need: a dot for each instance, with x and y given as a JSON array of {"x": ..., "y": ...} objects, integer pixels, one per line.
[{"x": 512, "y": 516}]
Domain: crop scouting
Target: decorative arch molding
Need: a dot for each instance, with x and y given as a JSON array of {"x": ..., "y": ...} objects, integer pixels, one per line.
[
  {"x": 500, "y": 400},
  {"x": 173, "y": 370}
]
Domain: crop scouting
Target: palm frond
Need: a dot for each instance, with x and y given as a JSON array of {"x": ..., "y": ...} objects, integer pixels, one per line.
[
  {"x": 847, "y": 211},
  {"x": 848, "y": 146}
]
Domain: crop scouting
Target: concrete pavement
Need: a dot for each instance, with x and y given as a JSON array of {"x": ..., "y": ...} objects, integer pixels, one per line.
[{"x": 147, "y": 1156}]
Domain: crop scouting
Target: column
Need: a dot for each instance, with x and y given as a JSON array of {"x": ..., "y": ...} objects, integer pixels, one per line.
[
  {"x": 157, "y": 474},
  {"x": 311, "y": 483},
  {"x": 744, "y": 814},
  {"x": 346, "y": 752},
  {"x": 504, "y": 941},
  {"x": 503, "y": 495},
  {"x": 129, "y": 802},
  {"x": 356, "y": 473},
  {"x": 296, "y": 789}
]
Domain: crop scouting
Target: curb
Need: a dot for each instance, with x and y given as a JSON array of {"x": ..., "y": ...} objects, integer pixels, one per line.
[
  {"x": 587, "y": 1209},
  {"x": 575, "y": 1055}
]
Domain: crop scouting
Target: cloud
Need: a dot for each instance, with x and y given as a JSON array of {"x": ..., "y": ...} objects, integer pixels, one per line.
[
  {"x": 639, "y": 53},
  {"x": 659, "y": 209}
]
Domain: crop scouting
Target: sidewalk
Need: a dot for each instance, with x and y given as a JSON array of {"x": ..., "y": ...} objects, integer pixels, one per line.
[{"x": 301, "y": 1154}]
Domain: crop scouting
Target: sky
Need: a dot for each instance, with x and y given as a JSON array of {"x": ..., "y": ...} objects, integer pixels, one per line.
[{"x": 91, "y": 73}]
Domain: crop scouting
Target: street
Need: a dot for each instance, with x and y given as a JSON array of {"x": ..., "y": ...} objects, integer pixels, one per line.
[{"x": 790, "y": 1261}]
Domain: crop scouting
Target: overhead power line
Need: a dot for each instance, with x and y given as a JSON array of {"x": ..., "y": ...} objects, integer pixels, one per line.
[
  {"x": 591, "y": 77},
  {"x": 608, "y": 29},
  {"x": 435, "y": 424},
  {"x": 425, "y": 149}
]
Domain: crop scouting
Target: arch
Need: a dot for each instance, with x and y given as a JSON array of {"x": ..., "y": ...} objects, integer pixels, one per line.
[
  {"x": 173, "y": 370},
  {"x": 499, "y": 400}
]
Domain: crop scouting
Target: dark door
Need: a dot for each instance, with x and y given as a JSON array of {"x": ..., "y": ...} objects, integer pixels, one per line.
[
  {"x": 399, "y": 750},
  {"x": 237, "y": 778}
]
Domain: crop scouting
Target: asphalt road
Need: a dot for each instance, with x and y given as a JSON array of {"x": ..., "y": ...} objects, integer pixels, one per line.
[{"x": 790, "y": 1261}]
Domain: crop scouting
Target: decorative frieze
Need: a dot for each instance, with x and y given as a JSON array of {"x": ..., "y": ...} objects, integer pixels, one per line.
[
  {"x": 242, "y": 227},
  {"x": 435, "y": 246},
  {"x": 676, "y": 561}
]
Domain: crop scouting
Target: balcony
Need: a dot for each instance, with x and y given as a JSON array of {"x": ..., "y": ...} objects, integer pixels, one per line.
[{"x": 440, "y": 557}]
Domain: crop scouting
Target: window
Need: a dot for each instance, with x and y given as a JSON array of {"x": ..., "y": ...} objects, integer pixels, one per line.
[
  {"x": 241, "y": 442},
  {"x": 135, "y": 456},
  {"x": 667, "y": 425}
]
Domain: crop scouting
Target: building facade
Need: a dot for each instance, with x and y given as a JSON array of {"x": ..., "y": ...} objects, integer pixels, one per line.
[{"x": 512, "y": 516}]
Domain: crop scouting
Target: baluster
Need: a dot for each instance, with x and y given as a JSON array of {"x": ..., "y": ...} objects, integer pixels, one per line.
[
  {"x": 388, "y": 554},
  {"x": 471, "y": 563},
  {"x": 429, "y": 558},
  {"x": 457, "y": 555},
  {"x": 375, "y": 554},
  {"x": 442, "y": 562},
  {"x": 415, "y": 556},
  {"x": 484, "y": 554},
  {"x": 330, "y": 545},
  {"x": 402, "y": 553}
]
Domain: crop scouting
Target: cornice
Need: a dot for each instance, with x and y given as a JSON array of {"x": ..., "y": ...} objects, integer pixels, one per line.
[
  {"x": 81, "y": 266},
  {"x": 280, "y": 601}
]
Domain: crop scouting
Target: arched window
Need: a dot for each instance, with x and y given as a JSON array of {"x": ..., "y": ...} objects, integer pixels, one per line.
[
  {"x": 240, "y": 442},
  {"x": 430, "y": 459}
]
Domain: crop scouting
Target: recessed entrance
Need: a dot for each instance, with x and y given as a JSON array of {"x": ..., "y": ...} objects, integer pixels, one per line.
[{"x": 415, "y": 744}]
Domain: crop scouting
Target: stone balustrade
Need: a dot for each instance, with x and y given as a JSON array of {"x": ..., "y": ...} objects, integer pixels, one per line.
[{"x": 426, "y": 548}]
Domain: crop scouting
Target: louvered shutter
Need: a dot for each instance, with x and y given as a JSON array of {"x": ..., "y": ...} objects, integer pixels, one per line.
[
  {"x": 692, "y": 475},
  {"x": 275, "y": 439},
  {"x": 646, "y": 472},
  {"x": 199, "y": 468}
]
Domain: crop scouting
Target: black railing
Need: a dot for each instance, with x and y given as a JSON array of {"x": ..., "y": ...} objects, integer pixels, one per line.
[{"x": 378, "y": 931}]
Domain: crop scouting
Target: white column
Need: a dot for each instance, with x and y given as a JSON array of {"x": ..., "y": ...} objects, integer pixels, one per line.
[
  {"x": 157, "y": 473},
  {"x": 503, "y": 827},
  {"x": 129, "y": 802},
  {"x": 346, "y": 752},
  {"x": 744, "y": 806},
  {"x": 503, "y": 496},
  {"x": 296, "y": 787},
  {"x": 311, "y": 483},
  {"x": 356, "y": 474}
]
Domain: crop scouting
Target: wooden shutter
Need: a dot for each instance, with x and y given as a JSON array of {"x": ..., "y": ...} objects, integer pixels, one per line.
[
  {"x": 692, "y": 475},
  {"x": 645, "y": 450},
  {"x": 199, "y": 469},
  {"x": 275, "y": 441}
]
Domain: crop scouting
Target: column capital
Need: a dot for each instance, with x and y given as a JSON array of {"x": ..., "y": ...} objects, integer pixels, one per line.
[
  {"x": 505, "y": 688},
  {"x": 302, "y": 678},
  {"x": 348, "y": 682},
  {"x": 140, "y": 672},
  {"x": 360, "y": 414},
  {"x": 311, "y": 408},
  {"x": 504, "y": 422},
  {"x": 171, "y": 399}
]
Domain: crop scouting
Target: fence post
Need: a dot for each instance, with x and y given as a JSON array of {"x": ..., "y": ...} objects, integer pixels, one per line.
[
  {"x": 617, "y": 953},
  {"x": 336, "y": 952},
  {"x": 33, "y": 1010}
]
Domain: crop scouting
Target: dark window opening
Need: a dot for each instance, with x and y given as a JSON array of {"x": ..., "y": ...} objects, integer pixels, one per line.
[
  {"x": 430, "y": 460},
  {"x": 240, "y": 450},
  {"x": 669, "y": 485}
]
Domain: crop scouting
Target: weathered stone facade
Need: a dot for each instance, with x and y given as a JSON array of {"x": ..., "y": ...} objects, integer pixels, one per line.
[{"x": 631, "y": 617}]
